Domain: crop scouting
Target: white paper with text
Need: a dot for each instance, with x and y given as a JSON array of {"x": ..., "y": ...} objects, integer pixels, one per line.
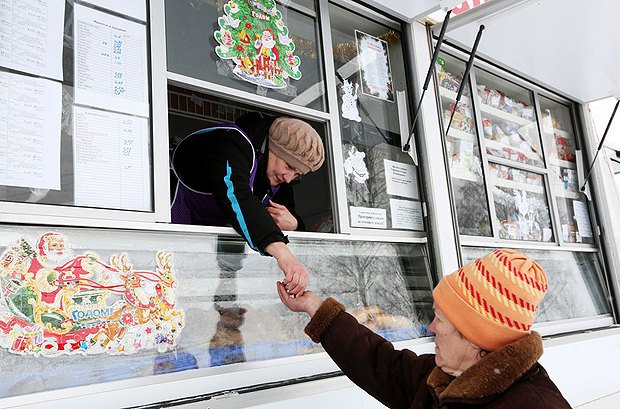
[
  {"x": 368, "y": 217},
  {"x": 31, "y": 36},
  {"x": 406, "y": 214},
  {"x": 110, "y": 62},
  {"x": 30, "y": 111},
  {"x": 111, "y": 160},
  {"x": 401, "y": 179}
]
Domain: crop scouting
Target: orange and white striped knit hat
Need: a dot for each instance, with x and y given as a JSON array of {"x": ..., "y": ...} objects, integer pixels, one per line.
[{"x": 492, "y": 301}]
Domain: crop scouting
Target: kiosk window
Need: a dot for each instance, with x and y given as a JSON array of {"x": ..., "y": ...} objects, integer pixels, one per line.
[
  {"x": 308, "y": 198},
  {"x": 75, "y": 109},
  {"x": 222, "y": 42}
]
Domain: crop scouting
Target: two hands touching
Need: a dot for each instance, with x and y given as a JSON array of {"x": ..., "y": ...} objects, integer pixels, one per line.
[
  {"x": 308, "y": 302},
  {"x": 295, "y": 274}
]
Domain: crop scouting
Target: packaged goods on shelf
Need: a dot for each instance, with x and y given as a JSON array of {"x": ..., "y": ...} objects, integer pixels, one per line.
[
  {"x": 449, "y": 81},
  {"x": 533, "y": 179},
  {"x": 507, "y": 104},
  {"x": 528, "y": 113},
  {"x": 440, "y": 66},
  {"x": 494, "y": 99},
  {"x": 570, "y": 183},
  {"x": 483, "y": 93},
  {"x": 463, "y": 118},
  {"x": 487, "y": 127},
  {"x": 518, "y": 108},
  {"x": 519, "y": 176},
  {"x": 464, "y": 147},
  {"x": 565, "y": 149}
]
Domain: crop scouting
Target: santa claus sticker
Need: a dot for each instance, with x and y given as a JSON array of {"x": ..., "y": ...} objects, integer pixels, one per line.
[
  {"x": 253, "y": 36},
  {"x": 53, "y": 304}
]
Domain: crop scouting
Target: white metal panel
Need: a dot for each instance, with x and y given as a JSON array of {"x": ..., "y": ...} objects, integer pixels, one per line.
[
  {"x": 444, "y": 242},
  {"x": 570, "y": 45}
]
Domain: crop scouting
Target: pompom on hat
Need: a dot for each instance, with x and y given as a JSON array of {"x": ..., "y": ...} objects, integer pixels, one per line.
[
  {"x": 492, "y": 301},
  {"x": 297, "y": 143}
]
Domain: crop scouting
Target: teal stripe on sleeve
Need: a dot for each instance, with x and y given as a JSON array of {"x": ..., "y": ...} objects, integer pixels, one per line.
[{"x": 230, "y": 192}]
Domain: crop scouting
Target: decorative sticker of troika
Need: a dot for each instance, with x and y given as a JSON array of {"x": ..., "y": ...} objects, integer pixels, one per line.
[
  {"x": 50, "y": 307},
  {"x": 254, "y": 37}
]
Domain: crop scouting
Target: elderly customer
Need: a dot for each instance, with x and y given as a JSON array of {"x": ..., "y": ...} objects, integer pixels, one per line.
[{"x": 486, "y": 355}]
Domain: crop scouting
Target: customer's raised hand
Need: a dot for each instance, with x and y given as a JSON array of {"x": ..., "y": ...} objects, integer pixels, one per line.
[{"x": 309, "y": 302}]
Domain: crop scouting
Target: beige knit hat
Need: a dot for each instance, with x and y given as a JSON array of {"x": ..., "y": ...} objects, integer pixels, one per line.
[
  {"x": 297, "y": 143},
  {"x": 492, "y": 301}
]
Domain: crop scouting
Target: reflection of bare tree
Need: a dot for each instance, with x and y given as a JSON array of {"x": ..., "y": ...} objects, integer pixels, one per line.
[
  {"x": 370, "y": 274},
  {"x": 471, "y": 208},
  {"x": 570, "y": 278},
  {"x": 507, "y": 209},
  {"x": 575, "y": 284}
]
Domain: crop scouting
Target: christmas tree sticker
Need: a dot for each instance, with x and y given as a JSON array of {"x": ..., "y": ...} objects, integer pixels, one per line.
[{"x": 254, "y": 37}]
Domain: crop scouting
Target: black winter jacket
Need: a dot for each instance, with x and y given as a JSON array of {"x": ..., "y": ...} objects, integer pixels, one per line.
[{"x": 209, "y": 162}]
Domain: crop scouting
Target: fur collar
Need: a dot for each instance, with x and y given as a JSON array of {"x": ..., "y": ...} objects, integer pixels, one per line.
[{"x": 493, "y": 374}]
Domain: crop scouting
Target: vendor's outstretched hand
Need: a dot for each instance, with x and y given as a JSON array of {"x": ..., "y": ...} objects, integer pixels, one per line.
[
  {"x": 281, "y": 215},
  {"x": 309, "y": 302},
  {"x": 295, "y": 274}
]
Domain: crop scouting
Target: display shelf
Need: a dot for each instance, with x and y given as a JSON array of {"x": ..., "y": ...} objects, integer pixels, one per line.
[
  {"x": 457, "y": 133},
  {"x": 505, "y": 116},
  {"x": 499, "y": 145},
  {"x": 511, "y": 184},
  {"x": 568, "y": 194},
  {"x": 451, "y": 95},
  {"x": 563, "y": 134},
  {"x": 562, "y": 163},
  {"x": 464, "y": 174},
  {"x": 487, "y": 109}
]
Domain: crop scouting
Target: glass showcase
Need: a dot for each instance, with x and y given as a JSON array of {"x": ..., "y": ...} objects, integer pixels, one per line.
[
  {"x": 158, "y": 303},
  {"x": 462, "y": 150},
  {"x": 529, "y": 156},
  {"x": 559, "y": 137}
]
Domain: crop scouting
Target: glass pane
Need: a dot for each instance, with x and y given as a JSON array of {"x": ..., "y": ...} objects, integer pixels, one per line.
[
  {"x": 191, "y": 29},
  {"x": 521, "y": 206},
  {"x": 59, "y": 160},
  {"x": 576, "y": 288},
  {"x": 309, "y": 198},
  {"x": 194, "y": 301},
  {"x": 381, "y": 179},
  {"x": 559, "y": 138},
  {"x": 462, "y": 149},
  {"x": 508, "y": 120}
]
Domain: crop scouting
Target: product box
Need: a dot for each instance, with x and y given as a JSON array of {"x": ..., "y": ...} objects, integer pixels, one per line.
[{"x": 570, "y": 182}]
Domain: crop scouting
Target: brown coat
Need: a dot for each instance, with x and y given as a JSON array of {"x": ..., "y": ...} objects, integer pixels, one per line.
[{"x": 508, "y": 378}]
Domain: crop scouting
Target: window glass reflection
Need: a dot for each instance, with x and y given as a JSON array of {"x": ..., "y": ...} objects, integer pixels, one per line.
[
  {"x": 576, "y": 287},
  {"x": 191, "y": 48},
  {"x": 559, "y": 137},
  {"x": 381, "y": 180},
  {"x": 462, "y": 149},
  {"x": 226, "y": 294},
  {"x": 521, "y": 206}
]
